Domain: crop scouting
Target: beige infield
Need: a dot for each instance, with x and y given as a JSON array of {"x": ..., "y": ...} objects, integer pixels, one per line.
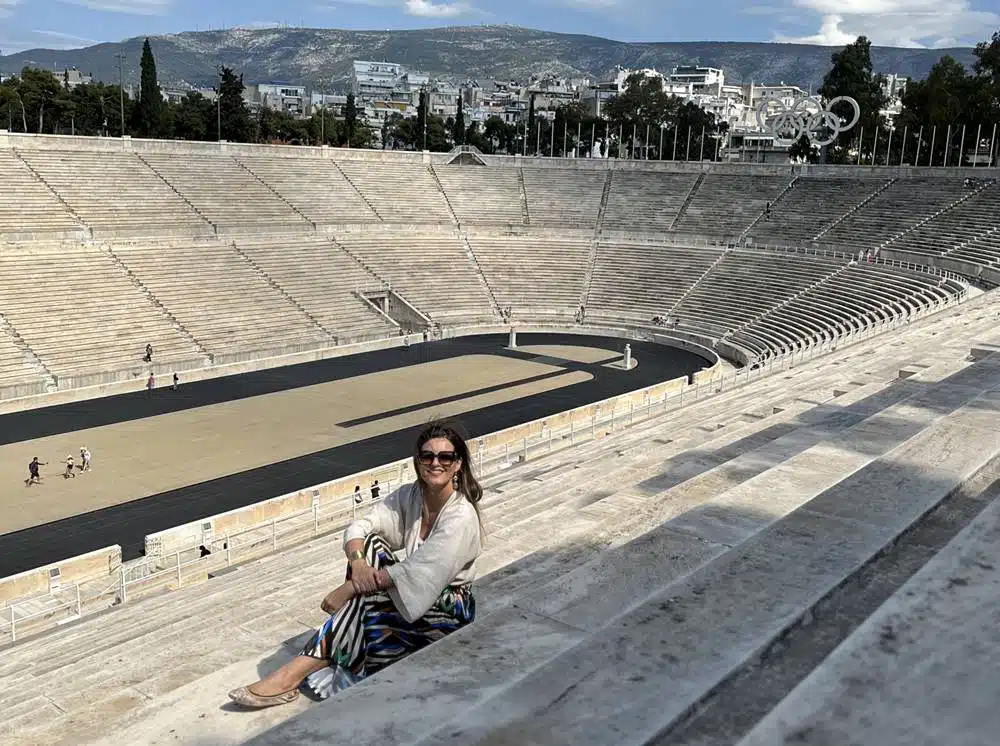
[{"x": 139, "y": 458}]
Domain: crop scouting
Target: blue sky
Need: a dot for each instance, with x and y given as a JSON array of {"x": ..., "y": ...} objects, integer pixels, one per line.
[{"x": 915, "y": 23}]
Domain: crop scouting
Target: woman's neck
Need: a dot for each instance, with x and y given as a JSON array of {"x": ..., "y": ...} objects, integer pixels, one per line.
[{"x": 435, "y": 498}]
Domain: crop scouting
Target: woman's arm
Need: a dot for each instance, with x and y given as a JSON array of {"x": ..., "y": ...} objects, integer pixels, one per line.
[
  {"x": 417, "y": 581},
  {"x": 384, "y": 518}
]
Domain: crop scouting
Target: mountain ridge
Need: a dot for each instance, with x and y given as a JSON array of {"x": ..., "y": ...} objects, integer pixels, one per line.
[{"x": 316, "y": 57}]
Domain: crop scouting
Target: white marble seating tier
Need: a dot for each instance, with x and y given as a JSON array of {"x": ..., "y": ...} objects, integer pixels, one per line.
[
  {"x": 116, "y": 193},
  {"x": 956, "y": 228},
  {"x": 747, "y": 284},
  {"x": 80, "y": 313},
  {"x": 222, "y": 301},
  {"x": 225, "y": 193},
  {"x": 810, "y": 206},
  {"x": 563, "y": 198},
  {"x": 432, "y": 271},
  {"x": 323, "y": 279},
  {"x": 399, "y": 192},
  {"x": 900, "y": 207},
  {"x": 159, "y": 669},
  {"x": 645, "y": 279},
  {"x": 481, "y": 195},
  {"x": 645, "y": 201},
  {"x": 315, "y": 187},
  {"x": 930, "y": 651},
  {"x": 984, "y": 249},
  {"x": 534, "y": 272},
  {"x": 724, "y": 205},
  {"x": 15, "y": 367},
  {"x": 34, "y": 209},
  {"x": 854, "y": 298}
]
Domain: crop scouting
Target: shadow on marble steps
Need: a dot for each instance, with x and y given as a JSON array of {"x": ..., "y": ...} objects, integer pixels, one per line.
[
  {"x": 930, "y": 650},
  {"x": 625, "y": 678}
]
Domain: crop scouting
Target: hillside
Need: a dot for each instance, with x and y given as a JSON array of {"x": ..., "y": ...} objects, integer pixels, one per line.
[{"x": 297, "y": 55}]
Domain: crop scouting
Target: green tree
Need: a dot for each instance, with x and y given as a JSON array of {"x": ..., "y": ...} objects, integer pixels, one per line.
[
  {"x": 10, "y": 99},
  {"x": 40, "y": 92},
  {"x": 194, "y": 118},
  {"x": 852, "y": 75},
  {"x": 422, "y": 123},
  {"x": 458, "y": 129},
  {"x": 499, "y": 136},
  {"x": 804, "y": 149},
  {"x": 531, "y": 130},
  {"x": 642, "y": 102},
  {"x": 148, "y": 115},
  {"x": 350, "y": 119},
  {"x": 236, "y": 125}
]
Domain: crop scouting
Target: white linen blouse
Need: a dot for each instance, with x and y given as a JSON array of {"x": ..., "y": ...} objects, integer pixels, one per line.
[{"x": 446, "y": 558}]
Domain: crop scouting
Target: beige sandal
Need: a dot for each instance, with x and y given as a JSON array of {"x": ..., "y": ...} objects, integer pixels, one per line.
[{"x": 244, "y": 697}]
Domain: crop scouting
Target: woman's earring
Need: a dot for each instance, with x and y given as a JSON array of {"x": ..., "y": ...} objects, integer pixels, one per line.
[{"x": 454, "y": 479}]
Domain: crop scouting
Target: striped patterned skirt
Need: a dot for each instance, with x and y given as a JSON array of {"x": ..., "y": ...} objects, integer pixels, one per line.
[{"x": 368, "y": 633}]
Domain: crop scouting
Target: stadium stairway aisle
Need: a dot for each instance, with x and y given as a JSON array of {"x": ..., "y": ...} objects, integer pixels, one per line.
[{"x": 609, "y": 571}]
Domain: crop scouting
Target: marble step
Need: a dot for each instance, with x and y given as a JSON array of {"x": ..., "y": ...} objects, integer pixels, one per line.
[{"x": 931, "y": 651}]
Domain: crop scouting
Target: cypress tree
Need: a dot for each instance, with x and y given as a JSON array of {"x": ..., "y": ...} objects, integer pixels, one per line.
[
  {"x": 458, "y": 132},
  {"x": 150, "y": 109}
]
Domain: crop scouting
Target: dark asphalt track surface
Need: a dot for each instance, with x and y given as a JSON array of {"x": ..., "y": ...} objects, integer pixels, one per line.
[{"x": 127, "y": 524}]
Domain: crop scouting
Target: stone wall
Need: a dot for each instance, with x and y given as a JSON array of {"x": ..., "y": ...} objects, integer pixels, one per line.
[{"x": 96, "y": 564}]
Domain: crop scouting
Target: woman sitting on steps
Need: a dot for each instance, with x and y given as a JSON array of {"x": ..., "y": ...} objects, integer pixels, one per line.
[{"x": 387, "y": 609}]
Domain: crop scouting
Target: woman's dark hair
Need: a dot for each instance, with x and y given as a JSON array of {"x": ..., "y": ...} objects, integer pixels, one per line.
[{"x": 455, "y": 434}]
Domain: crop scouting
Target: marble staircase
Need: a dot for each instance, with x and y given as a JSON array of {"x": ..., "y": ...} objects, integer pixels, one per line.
[{"x": 623, "y": 579}]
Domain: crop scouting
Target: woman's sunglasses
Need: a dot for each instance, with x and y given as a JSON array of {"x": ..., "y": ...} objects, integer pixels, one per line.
[{"x": 445, "y": 458}]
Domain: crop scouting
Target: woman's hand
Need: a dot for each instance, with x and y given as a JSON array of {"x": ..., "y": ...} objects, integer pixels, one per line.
[
  {"x": 336, "y": 599},
  {"x": 363, "y": 578}
]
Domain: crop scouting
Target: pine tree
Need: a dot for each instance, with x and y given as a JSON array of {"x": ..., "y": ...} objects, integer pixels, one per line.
[
  {"x": 149, "y": 111},
  {"x": 236, "y": 125},
  {"x": 852, "y": 75}
]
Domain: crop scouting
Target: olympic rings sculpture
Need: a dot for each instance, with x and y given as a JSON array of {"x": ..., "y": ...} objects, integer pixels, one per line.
[{"x": 807, "y": 117}]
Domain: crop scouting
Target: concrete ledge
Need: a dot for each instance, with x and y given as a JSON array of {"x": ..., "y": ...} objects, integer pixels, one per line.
[
  {"x": 96, "y": 564},
  {"x": 323, "y": 497},
  {"x": 22, "y": 390}
]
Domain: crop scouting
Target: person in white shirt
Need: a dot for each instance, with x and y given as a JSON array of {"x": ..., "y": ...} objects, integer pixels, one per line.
[
  {"x": 69, "y": 468},
  {"x": 389, "y": 608},
  {"x": 84, "y": 459}
]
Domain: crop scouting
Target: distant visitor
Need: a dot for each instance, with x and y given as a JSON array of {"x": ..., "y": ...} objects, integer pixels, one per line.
[{"x": 34, "y": 476}]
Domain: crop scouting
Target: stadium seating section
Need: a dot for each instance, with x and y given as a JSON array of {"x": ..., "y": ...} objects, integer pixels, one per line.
[
  {"x": 215, "y": 257},
  {"x": 808, "y": 558}
]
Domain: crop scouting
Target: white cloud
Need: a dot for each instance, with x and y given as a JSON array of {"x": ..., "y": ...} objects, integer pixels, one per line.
[
  {"x": 131, "y": 7},
  {"x": 18, "y": 41},
  {"x": 7, "y": 7},
  {"x": 430, "y": 9},
  {"x": 593, "y": 4},
  {"x": 420, "y": 8},
  {"x": 898, "y": 23}
]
